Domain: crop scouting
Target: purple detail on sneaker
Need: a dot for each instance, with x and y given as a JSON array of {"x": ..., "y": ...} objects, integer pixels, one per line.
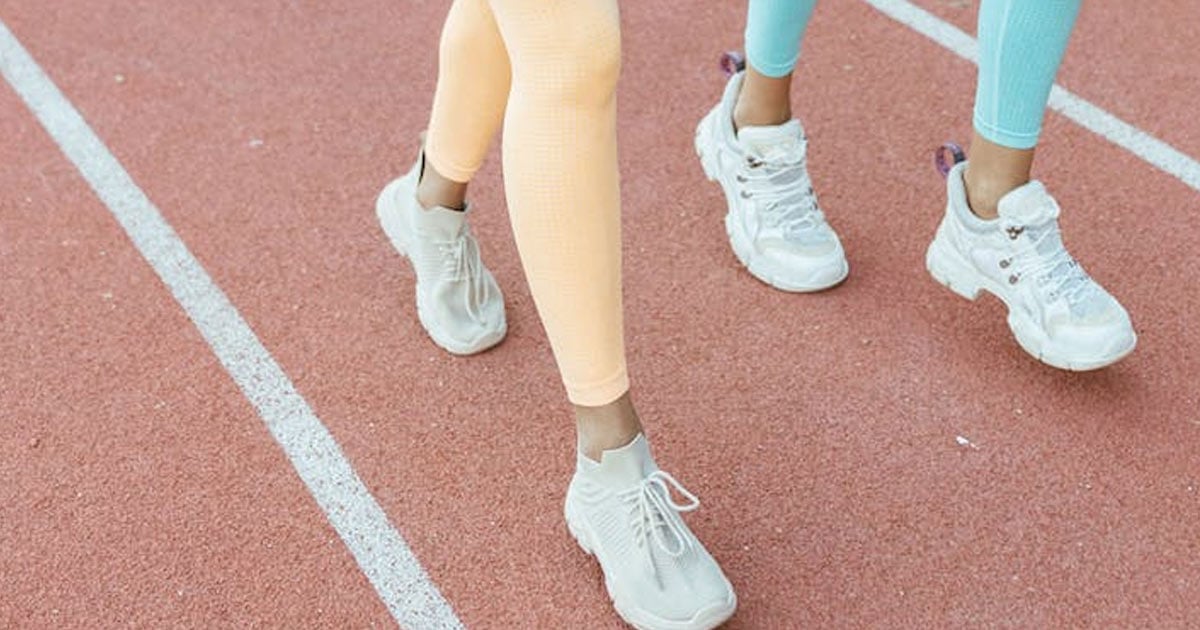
[
  {"x": 732, "y": 62},
  {"x": 940, "y": 161}
]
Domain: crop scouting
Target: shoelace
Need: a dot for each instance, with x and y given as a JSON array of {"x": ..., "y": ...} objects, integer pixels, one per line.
[
  {"x": 461, "y": 261},
  {"x": 1072, "y": 283},
  {"x": 787, "y": 195},
  {"x": 655, "y": 513}
]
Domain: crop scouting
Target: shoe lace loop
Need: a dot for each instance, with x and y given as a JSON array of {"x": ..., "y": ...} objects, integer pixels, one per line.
[
  {"x": 655, "y": 513},
  {"x": 1047, "y": 260},
  {"x": 785, "y": 194},
  {"x": 461, "y": 262}
]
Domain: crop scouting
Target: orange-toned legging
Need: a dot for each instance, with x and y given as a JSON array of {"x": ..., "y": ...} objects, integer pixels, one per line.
[{"x": 554, "y": 63}]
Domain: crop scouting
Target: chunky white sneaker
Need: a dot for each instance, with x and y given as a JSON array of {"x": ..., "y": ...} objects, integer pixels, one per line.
[
  {"x": 458, "y": 300},
  {"x": 1056, "y": 311},
  {"x": 657, "y": 573},
  {"x": 775, "y": 226}
]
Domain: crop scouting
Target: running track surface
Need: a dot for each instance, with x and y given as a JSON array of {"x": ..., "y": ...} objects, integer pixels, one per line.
[{"x": 139, "y": 487}]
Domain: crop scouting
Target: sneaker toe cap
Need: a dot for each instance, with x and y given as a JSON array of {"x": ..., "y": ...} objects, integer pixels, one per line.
[
  {"x": 805, "y": 268},
  {"x": 462, "y": 331},
  {"x": 1094, "y": 341},
  {"x": 698, "y": 596}
]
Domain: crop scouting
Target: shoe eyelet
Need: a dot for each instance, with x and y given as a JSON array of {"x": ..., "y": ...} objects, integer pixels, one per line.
[
  {"x": 1005, "y": 263},
  {"x": 1013, "y": 279},
  {"x": 1015, "y": 231},
  {"x": 746, "y": 194}
]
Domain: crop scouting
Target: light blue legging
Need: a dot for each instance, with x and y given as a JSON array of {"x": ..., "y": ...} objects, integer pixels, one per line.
[{"x": 1021, "y": 44}]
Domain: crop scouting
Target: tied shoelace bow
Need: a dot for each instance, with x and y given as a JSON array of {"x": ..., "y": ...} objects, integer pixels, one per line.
[
  {"x": 655, "y": 513},
  {"x": 1049, "y": 262},
  {"x": 460, "y": 260},
  {"x": 779, "y": 182}
]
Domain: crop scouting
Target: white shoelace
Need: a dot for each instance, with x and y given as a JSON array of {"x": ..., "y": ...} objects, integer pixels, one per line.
[
  {"x": 654, "y": 513},
  {"x": 1048, "y": 261},
  {"x": 461, "y": 262},
  {"x": 786, "y": 194}
]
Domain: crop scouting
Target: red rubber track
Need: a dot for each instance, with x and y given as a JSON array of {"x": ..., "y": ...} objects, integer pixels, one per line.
[
  {"x": 1137, "y": 61},
  {"x": 820, "y": 431},
  {"x": 138, "y": 485}
]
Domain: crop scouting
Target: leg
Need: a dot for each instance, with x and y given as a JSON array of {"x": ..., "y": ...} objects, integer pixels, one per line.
[
  {"x": 560, "y": 168},
  {"x": 1000, "y": 233},
  {"x": 468, "y": 105},
  {"x": 774, "y": 29},
  {"x": 566, "y": 218},
  {"x": 1021, "y": 45},
  {"x": 424, "y": 213}
]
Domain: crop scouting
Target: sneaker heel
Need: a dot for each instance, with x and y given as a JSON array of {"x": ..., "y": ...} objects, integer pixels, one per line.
[
  {"x": 732, "y": 62},
  {"x": 945, "y": 267},
  {"x": 386, "y": 213},
  {"x": 710, "y": 170},
  {"x": 579, "y": 540}
]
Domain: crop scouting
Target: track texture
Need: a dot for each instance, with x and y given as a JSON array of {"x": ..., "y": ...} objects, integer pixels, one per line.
[{"x": 820, "y": 431}]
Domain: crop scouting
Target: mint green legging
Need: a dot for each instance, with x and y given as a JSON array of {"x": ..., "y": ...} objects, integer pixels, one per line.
[{"x": 1021, "y": 44}]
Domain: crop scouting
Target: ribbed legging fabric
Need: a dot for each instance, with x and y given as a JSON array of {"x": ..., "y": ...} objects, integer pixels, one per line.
[
  {"x": 547, "y": 70},
  {"x": 1021, "y": 45}
]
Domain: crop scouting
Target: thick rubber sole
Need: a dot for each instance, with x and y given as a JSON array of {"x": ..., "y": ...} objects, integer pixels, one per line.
[{"x": 949, "y": 269}]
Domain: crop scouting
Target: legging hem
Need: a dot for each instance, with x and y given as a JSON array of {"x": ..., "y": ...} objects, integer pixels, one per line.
[
  {"x": 450, "y": 171},
  {"x": 600, "y": 393},
  {"x": 773, "y": 70},
  {"x": 1005, "y": 138}
]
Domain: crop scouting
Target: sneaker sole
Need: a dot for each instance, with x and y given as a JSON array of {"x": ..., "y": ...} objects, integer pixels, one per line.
[
  {"x": 950, "y": 270},
  {"x": 704, "y": 619},
  {"x": 388, "y": 214},
  {"x": 760, "y": 268}
]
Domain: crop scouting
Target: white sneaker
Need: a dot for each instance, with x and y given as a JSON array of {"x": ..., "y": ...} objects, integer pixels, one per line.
[
  {"x": 458, "y": 300},
  {"x": 658, "y": 575},
  {"x": 1056, "y": 311},
  {"x": 775, "y": 226}
]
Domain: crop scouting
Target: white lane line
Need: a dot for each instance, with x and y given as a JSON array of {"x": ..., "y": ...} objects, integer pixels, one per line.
[
  {"x": 1087, "y": 115},
  {"x": 381, "y": 553}
]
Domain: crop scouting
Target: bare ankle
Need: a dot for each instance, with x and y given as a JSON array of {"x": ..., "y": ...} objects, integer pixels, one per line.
[
  {"x": 756, "y": 116},
  {"x": 983, "y": 194},
  {"x": 436, "y": 190},
  {"x": 994, "y": 171},
  {"x": 764, "y": 101},
  {"x": 606, "y": 427}
]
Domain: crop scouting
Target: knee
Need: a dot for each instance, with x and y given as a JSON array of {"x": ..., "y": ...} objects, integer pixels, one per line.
[{"x": 579, "y": 65}]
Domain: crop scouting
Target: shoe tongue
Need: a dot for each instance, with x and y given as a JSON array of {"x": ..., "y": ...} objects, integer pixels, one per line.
[
  {"x": 1028, "y": 205},
  {"x": 774, "y": 143},
  {"x": 628, "y": 465},
  {"x": 442, "y": 220},
  {"x": 1032, "y": 207}
]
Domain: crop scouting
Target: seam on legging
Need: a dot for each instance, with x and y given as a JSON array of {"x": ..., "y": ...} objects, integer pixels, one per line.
[{"x": 996, "y": 64}]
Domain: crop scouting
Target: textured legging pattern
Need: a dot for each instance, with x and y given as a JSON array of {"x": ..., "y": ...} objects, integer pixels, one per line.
[
  {"x": 1021, "y": 45},
  {"x": 774, "y": 29},
  {"x": 548, "y": 72}
]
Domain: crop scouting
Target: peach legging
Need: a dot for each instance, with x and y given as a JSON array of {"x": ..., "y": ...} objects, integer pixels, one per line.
[{"x": 554, "y": 64}]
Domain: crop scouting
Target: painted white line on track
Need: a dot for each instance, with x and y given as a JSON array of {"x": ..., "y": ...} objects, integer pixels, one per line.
[
  {"x": 1087, "y": 115},
  {"x": 380, "y": 551}
]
